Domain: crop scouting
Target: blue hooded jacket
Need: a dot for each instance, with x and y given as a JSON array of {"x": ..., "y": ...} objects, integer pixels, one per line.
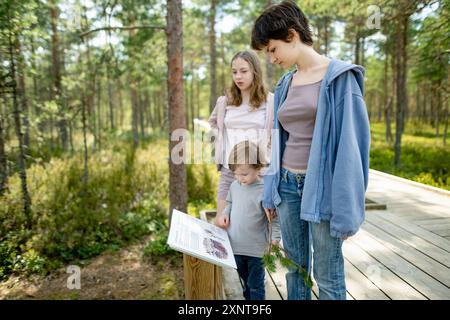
[{"x": 338, "y": 165}]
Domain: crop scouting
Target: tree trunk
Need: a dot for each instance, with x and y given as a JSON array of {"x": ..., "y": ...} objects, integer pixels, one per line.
[
  {"x": 357, "y": 48},
  {"x": 18, "y": 128},
  {"x": 56, "y": 71},
  {"x": 186, "y": 104},
  {"x": 150, "y": 112},
  {"x": 362, "y": 50},
  {"x": 438, "y": 106},
  {"x": 110, "y": 97},
  {"x": 224, "y": 65},
  {"x": 120, "y": 98},
  {"x": 385, "y": 86},
  {"x": 3, "y": 162},
  {"x": 445, "y": 123},
  {"x": 269, "y": 66},
  {"x": 85, "y": 146},
  {"x": 99, "y": 110},
  {"x": 316, "y": 44},
  {"x": 423, "y": 106},
  {"x": 85, "y": 177},
  {"x": 23, "y": 94},
  {"x": 326, "y": 35},
  {"x": 90, "y": 90},
  {"x": 416, "y": 113},
  {"x": 197, "y": 94},
  {"x": 71, "y": 137},
  {"x": 177, "y": 172},
  {"x": 446, "y": 108},
  {"x": 212, "y": 55},
  {"x": 269, "y": 74},
  {"x": 141, "y": 113},
  {"x": 36, "y": 95},
  {"x": 133, "y": 91},
  {"x": 191, "y": 104},
  {"x": 386, "y": 98},
  {"x": 134, "y": 110},
  {"x": 90, "y": 86},
  {"x": 157, "y": 108},
  {"x": 402, "y": 95}
]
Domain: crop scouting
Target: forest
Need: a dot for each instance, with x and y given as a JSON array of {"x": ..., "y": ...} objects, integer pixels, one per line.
[{"x": 90, "y": 91}]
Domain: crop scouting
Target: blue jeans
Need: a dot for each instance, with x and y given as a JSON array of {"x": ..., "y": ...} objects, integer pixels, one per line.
[
  {"x": 297, "y": 237},
  {"x": 251, "y": 271}
]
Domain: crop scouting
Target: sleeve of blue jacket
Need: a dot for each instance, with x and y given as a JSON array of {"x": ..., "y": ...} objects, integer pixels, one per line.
[
  {"x": 269, "y": 177},
  {"x": 350, "y": 175}
]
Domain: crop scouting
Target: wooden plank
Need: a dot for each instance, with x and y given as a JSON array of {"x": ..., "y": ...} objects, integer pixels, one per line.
[
  {"x": 411, "y": 239},
  {"x": 218, "y": 285},
  {"x": 199, "y": 282},
  {"x": 437, "y": 227},
  {"x": 443, "y": 233},
  {"x": 415, "y": 257},
  {"x": 359, "y": 286},
  {"x": 271, "y": 291},
  {"x": 425, "y": 222},
  {"x": 425, "y": 210},
  {"x": 429, "y": 287},
  {"x": 412, "y": 228},
  {"x": 232, "y": 287},
  {"x": 280, "y": 281},
  {"x": 387, "y": 281},
  {"x": 411, "y": 216}
]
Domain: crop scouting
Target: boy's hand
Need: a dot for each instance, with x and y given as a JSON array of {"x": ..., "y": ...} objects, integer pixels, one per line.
[
  {"x": 222, "y": 221},
  {"x": 270, "y": 214},
  {"x": 274, "y": 243}
]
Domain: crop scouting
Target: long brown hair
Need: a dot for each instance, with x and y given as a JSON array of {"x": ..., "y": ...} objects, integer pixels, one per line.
[{"x": 258, "y": 93}]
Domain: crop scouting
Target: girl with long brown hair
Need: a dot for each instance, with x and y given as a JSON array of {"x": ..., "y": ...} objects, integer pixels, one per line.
[{"x": 244, "y": 113}]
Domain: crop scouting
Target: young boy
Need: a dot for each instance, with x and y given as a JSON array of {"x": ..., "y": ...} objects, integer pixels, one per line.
[{"x": 248, "y": 225}]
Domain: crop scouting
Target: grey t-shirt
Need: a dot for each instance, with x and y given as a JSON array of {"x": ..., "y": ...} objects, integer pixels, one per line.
[{"x": 249, "y": 228}]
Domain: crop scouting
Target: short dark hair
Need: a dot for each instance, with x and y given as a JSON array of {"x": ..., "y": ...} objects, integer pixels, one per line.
[{"x": 275, "y": 23}]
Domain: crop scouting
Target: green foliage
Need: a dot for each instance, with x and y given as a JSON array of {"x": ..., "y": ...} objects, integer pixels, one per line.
[
  {"x": 424, "y": 159},
  {"x": 276, "y": 252},
  {"x": 119, "y": 204},
  {"x": 202, "y": 182},
  {"x": 158, "y": 245}
]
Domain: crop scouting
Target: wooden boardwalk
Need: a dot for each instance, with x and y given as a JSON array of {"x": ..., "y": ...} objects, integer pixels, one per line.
[{"x": 402, "y": 252}]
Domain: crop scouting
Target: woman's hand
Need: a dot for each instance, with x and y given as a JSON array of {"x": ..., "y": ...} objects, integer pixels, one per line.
[
  {"x": 270, "y": 214},
  {"x": 222, "y": 221}
]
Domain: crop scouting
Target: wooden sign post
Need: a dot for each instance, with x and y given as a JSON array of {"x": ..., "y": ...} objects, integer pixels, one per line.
[{"x": 202, "y": 280}]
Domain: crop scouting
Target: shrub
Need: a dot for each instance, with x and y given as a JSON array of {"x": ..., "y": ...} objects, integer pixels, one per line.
[{"x": 126, "y": 192}]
